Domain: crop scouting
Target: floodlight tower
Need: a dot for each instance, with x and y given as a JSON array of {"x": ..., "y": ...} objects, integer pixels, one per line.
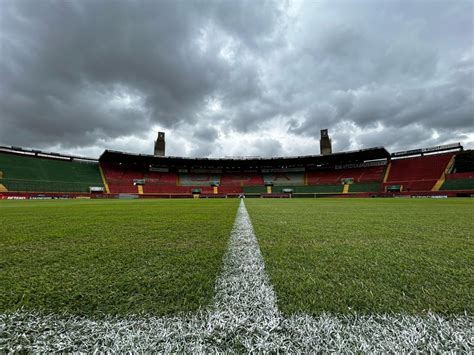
[
  {"x": 325, "y": 144},
  {"x": 160, "y": 145}
]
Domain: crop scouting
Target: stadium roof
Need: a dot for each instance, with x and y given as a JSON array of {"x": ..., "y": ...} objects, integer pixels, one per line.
[
  {"x": 251, "y": 162},
  {"x": 42, "y": 154}
]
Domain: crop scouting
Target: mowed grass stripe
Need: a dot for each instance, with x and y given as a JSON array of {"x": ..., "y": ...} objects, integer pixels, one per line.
[
  {"x": 116, "y": 257},
  {"x": 368, "y": 255}
]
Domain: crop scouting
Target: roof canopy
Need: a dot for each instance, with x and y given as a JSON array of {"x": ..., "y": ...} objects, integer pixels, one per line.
[
  {"x": 110, "y": 156},
  {"x": 42, "y": 154}
]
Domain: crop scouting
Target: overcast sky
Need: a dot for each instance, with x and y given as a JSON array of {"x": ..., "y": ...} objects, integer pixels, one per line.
[{"x": 226, "y": 78}]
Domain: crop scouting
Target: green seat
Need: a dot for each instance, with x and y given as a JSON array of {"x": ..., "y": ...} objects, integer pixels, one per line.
[
  {"x": 458, "y": 184},
  {"x": 33, "y": 174}
]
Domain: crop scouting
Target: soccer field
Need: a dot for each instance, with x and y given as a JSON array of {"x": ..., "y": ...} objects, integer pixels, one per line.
[
  {"x": 208, "y": 275},
  {"x": 368, "y": 255},
  {"x": 99, "y": 257}
]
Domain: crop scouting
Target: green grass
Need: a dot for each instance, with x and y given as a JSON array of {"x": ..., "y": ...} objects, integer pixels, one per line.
[
  {"x": 368, "y": 255},
  {"x": 112, "y": 257}
]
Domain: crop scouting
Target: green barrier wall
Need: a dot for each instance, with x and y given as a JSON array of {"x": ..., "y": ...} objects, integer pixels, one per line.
[
  {"x": 310, "y": 189},
  {"x": 369, "y": 187},
  {"x": 254, "y": 189}
]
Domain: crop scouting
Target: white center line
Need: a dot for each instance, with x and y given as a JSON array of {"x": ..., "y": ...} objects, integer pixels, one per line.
[{"x": 243, "y": 288}]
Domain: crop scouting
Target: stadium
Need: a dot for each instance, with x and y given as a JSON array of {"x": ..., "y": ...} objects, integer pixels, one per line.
[
  {"x": 441, "y": 171},
  {"x": 120, "y": 270},
  {"x": 236, "y": 176}
]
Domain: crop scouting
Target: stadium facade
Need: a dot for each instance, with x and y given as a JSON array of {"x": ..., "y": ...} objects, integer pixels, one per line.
[{"x": 445, "y": 170}]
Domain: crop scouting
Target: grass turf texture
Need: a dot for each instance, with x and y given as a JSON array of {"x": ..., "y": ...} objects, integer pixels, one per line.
[
  {"x": 368, "y": 255},
  {"x": 112, "y": 257}
]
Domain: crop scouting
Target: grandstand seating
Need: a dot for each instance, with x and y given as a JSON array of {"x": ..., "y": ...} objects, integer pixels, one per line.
[
  {"x": 198, "y": 179},
  {"x": 459, "y": 181},
  {"x": 156, "y": 178},
  {"x": 460, "y": 176},
  {"x": 243, "y": 179},
  {"x": 28, "y": 173},
  {"x": 37, "y": 174},
  {"x": 419, "y": 173},
  {"x": 458, "y": 184},
  {"x": 359, "y": 175},
  {"x": 230, "y": 189},
  {"x": 284, "y": 179},
  {"x": 120, "y": 179},
  {"x": 163, "y": 189},
  {"x": 24, "y": 171}
]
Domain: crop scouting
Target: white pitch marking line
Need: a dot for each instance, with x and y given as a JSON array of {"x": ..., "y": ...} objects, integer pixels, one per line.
[
  {"x": 243, "y": 288},
  {"x": 243, "y": 317}
]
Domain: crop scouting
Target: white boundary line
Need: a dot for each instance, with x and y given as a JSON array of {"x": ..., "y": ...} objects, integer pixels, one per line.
[{"x": 243, "y": 317}]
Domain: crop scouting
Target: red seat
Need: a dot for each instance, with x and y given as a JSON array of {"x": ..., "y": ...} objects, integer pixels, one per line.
[
  {"x": 419, "y": 173},
  {"x": 360, "y": 175},
  {"x": 242, "y": 179},
  {"x": 456, "y": 176}
]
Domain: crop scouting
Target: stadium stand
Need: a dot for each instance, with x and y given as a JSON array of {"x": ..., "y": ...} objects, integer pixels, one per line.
[
  {"x": 458, "y": 184},
  {"x": 176, "y": 189},
  {"x": 418, "y": 173},
  {"x": 356, "y": 180},
  {"x": 230, "y": 189},
  {"x": 46, "y": 174},
  {"x": 161, "y": 183},
  {"x": 242, "y": 179},
  {"x": 120, "y": 179},
  {"x": 359, "y": 175},
  {"x": 462, "y": 175},
  {"x": 464, "y": 162},
  {"x": 369, "y": 172},
  {"x": 156, "y": 178},
  {"x": 198, "y": 179},
  {"x": 284, "y": 179}
]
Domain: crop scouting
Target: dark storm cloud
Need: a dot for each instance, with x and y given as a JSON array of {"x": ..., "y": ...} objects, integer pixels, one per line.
[
  {"x": 206, "y": 133},
  {"x": 394, "y": 64},
  {"x": 65, "y": 63},
  {"x": 90, "y": 75}
]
